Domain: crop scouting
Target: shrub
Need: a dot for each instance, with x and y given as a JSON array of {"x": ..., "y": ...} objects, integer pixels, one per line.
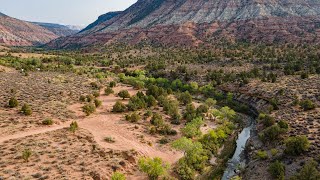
[
  {"x": 13, "y": 102},
  {"x": 271, "y": 133},
  {"x": 118, "y": 176},
  {"x": 136, "y": 103},
  {"x": 148, "y": 113},
  {"x": 134, "y": 117},
  {"x": 47, "y": 122},
  {"x": 185, "y": 171},
  {"x": 26, "y": 154},
  {"x": 95, "y": 85},
  {"x": 274, "y": 152},
  {"x": 283, "y": 124},
  {"x": 157, "y": 120},
  {"x": 156, "y": 91},
  {"x": 151, "y": 101},
  {"x": 185, "y": 98},
  {"x": 119, "y": 107},
  {"x": 89, "y": 109},
  {"x": 175, "y": 118},
  {"x": 26, "y": 110},
  {"x": 190, "y": 112},
  {"x": 163, "y": 141},
  {"x": 202, "y": 109},
  {"x": 90, "y": 98},
  {"x": 153, "y": 130},
  {"x": 307, "y": 105},
  {"x": 262, "y": 154},
  {"x": 277, "y": 170},
  {"x": 211, "y": 102},
  {"x": 266, "y": 120},
  {"x": 97, "y": 103},
  {"x": 154, "y": 168},
  {"x": 296, "y": 145},
  {"x": 304, "y": 75},
  {"x": 109, "y": 139},
  {"x": 108, "y": 91},
  {"x": 171, "y": 107},
  {"x": 73, "y": 127},
  {"x": 82, "y": 98},
  {"x": 112, "y": 84},
  {"x": 96, "y": 93},
  {"x": 124, "y": 94},
  {"x": 308, "y": 172}
]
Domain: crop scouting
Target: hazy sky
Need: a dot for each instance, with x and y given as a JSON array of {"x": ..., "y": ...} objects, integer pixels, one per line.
[{"x": 69, "y": 12}]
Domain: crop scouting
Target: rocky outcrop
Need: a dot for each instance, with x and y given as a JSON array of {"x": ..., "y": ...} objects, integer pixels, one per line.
[
  {"x": 102, "y": 19},
  {"x": 14, "y": 32},
  {"x": 192, "y": 23}
]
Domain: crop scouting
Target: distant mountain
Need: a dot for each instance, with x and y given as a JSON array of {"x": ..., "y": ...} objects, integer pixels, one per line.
[
  {"x": 195, "y": 22},
  {"x": 59, "y": 30},
  {"x": 14, "y": 32},
  {"x": 75, "y": 27}
]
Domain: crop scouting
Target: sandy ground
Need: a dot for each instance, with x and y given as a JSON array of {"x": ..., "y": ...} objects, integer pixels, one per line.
[{"x": 104, "y": 124}]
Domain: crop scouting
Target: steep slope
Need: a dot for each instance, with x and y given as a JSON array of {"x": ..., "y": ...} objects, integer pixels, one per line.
[
  {"x": 59, "y": 30},
  {"x": 14, "y": 32},
  {"x": 100, "y": 21},
  {"x": 190, "y": 22}
]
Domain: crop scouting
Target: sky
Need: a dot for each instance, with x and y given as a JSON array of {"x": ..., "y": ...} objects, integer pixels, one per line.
[{"x": 67, "y": 12}]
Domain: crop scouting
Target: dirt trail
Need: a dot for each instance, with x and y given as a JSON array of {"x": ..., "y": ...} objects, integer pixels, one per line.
[
  {"x": 34, "y": 132},
  {"x": 104, "y": 124}
]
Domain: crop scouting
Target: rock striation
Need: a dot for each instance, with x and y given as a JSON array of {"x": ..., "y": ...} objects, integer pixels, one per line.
[
  {"x": 196, "y": 22},
  {"x": 14, "y": 32}
]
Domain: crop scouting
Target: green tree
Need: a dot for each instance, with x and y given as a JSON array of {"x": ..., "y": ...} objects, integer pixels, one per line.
[
  {"x": 26, "y": 110},
  {"x": 118, "y": 176},
  {"x": 154, "y": 168},
  {"x": 124, "y": 94},
  {"x": 277, "y": 170},
  {"x": 195, "y": 156},
  {"x": 13, "y": 102},
  {"x": 297, "y": 145},
  {"x": 192, "y": 129},
  {"x": 119, "y": 107}
]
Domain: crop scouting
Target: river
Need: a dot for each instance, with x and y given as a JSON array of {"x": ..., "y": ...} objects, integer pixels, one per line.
[{"x": 237, "y": 161}]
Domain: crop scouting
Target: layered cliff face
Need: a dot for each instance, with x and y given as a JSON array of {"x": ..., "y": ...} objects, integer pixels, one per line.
[
  {"x": 194, "y": 22},
  {"x": 14, "y": 32}
]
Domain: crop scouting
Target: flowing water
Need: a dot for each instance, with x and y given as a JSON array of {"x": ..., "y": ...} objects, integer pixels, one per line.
[{"x": 236, "y": 161}]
